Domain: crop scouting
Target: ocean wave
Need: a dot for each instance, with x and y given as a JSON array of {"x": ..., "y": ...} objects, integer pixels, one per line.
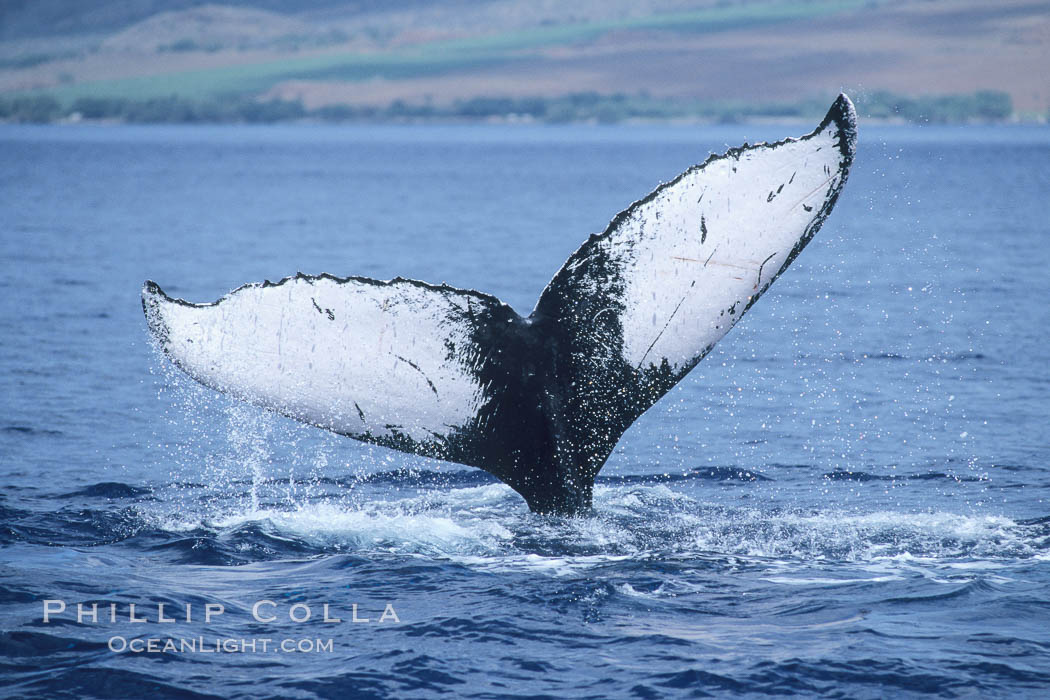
[{"x": 488, "y": 527}]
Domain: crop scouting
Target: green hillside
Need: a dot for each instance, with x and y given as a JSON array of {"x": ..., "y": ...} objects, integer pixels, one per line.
[
  {"x": 595, "y": 60},
  {"x": 435, "y": 57}
]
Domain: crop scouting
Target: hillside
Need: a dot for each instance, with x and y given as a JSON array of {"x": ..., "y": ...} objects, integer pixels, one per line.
[{"x": 423, "y": 57}]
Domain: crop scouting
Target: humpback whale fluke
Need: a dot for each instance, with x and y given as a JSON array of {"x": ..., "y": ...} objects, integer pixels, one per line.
[{"x": 541, "y": 401}]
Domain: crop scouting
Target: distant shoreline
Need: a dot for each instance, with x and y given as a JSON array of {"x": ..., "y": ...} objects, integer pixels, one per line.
[
  {"x": 312, "y": 121},
  {"x": 981, "y": 107}
]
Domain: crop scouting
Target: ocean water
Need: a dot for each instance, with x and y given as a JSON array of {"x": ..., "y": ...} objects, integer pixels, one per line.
[{"x": 850, "y": 497}]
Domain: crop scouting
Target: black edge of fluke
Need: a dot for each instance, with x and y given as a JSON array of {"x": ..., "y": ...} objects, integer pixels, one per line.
[
  {"x": 843, "y": 114},
  {"x": 152, "y": 295},
  {"x": 535, "y": 431}
]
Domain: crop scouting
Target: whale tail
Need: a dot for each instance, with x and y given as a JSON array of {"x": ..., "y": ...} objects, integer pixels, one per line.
[{"x": 538, "y": 401}]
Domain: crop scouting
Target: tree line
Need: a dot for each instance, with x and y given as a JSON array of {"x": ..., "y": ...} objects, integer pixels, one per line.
[{"x": 980, "y": 106}]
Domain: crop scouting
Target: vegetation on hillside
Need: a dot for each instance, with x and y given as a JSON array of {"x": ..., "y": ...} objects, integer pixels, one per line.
[
  {"x": 981, "y": 106},
  {"x": 179, "y": 61},
  {"x": 430, "y": 58}
]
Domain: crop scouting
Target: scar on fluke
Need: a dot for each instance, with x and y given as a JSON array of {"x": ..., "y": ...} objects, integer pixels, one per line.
[
  {"x": 668, "y": 323},
  {"x": 759, "y": 280},
  {"x": 326, "y": 312},
  {"x": 414, "y": 366}
]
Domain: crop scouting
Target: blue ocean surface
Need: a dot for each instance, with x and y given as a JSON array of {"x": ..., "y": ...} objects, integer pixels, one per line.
[{"x": 849, "y": 497}]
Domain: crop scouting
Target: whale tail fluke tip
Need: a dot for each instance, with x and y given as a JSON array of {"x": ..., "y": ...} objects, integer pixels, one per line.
[
  {"x": 843, "y": 110},
  {"x": 152, "y": 297},
  {"x": 843, "y": 117}
]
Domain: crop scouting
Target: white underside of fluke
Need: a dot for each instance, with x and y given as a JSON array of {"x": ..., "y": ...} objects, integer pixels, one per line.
[
  {"x": 356, "y": 357},
  {"x": 694, "y": 256}
]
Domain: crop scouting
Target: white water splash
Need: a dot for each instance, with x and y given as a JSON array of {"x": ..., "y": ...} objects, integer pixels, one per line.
[{"x": 488, "y": 528}]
